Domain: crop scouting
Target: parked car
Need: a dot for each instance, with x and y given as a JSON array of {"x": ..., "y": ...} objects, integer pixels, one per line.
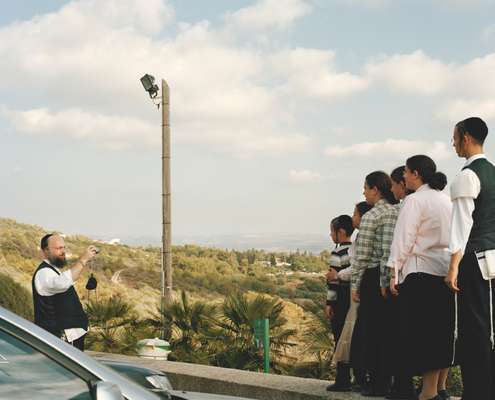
[
  {"x": 158, "y": 383},
  {"x": 34, "y": 364}
]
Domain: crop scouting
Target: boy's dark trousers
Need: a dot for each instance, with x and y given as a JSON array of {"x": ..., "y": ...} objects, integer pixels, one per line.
[
  {"x": 340, "y": 309},
  {"x": 475, "y": 353}
]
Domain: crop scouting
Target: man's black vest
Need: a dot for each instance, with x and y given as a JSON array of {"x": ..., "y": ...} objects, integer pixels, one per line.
[
  {"x": 60, "y": 311},
  {"x": 482, "y": 236}
]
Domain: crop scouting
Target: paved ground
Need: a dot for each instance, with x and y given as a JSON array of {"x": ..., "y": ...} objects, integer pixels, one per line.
[{"x": 202, "y": 378}]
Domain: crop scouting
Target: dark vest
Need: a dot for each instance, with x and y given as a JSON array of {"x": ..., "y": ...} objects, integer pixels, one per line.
[
  {"x": 60, "y": 311},
  {"x": 482, "y": 236}
]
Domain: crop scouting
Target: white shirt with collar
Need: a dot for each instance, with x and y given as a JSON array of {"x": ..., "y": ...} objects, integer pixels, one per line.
[
  {"x": 48, "y": 283},
  {"x": 464, "y": 189},
  {"x": 421, "y": 234}
]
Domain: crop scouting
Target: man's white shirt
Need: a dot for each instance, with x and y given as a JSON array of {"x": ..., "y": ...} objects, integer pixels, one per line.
[
  {"x": 464, "y": 189},
  {"x": 48, "y": 283}
]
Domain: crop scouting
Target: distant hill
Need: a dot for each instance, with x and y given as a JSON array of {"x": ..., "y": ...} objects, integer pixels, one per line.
[
  {"x": 270, "y": 242},
  {"x": 204, "y": 272}
]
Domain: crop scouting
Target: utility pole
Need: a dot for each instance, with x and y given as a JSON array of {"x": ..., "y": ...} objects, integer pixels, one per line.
[
  {"x": 148, "y": 82},
  {"x": 166, "y": 272}
]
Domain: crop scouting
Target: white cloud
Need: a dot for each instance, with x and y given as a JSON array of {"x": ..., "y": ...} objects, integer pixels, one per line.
[
  {"x": 87, "y": 58},
  {"x": 268, "y": 14},
  {"x": 391, "y": 149},
  {"x": 412, "y": 73},
  {"x": 421, "y": 74},
  {"x": 476, "y": 77},
  {"x": 17, "y": 170},
  {"x": 147, "y": 16},
  {"x": 457, "y": 90},
  {"x": 459, "y": 109},
  {"x": 312, "y": 73},
  {"x": 366, "y": 3},
  {"x": 113, "y": 132},
  {"x": 489, "y": 32},
  {"x": 464, "y": 3},
  {"x": 118, "y": 132},
  {"x": 304, "y": 176}
]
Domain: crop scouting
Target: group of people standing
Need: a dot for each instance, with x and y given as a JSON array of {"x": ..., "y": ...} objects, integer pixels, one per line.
[{"x": 412, "y": 295}]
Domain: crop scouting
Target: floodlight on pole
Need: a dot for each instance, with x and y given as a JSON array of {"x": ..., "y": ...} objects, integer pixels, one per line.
[
  {"x": 148, "y": 82},
  {"x": 166, "y": 256}
]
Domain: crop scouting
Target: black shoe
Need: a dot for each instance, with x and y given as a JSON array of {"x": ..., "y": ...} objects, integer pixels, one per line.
[
  {"x": 444, "y": 395},
  {"x": 338, "y": 388},
  {"x": 356, "y": 388}
]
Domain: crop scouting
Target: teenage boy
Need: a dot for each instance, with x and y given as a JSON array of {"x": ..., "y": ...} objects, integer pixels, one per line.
[{"x": 472, "y": 241}]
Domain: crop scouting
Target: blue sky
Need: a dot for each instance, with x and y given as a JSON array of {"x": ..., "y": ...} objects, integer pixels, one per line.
[{"x": 279, "y": 107}]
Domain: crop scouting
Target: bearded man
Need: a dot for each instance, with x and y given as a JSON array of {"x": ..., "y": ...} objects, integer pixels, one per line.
[{"x": 57, "y": 307}]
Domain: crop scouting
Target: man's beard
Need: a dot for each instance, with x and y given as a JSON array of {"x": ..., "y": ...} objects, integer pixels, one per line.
[{"x": 58, "y": 262}]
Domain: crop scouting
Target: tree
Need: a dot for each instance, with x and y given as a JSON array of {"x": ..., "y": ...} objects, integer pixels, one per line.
[
  {"x": 318, "y": 342},
  {"x": 112, "y": 322},
  {"x": 239, "y": 257},
  {"x": 251, "y": 256},
  {"x": 235, "y": 344},
  {"x": 273, "y": 260},
  {"x": 188, "y": 328}
]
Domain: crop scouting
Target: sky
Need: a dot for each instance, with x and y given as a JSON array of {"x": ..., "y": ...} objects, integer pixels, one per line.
[{"x": 279, "y": 108}]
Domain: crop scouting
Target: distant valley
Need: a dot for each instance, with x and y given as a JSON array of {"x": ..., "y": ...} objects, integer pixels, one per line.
[{"x": 276, "y": 242}]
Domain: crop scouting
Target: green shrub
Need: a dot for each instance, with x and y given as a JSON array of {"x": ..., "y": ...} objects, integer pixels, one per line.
[{"x": 15, "y": 297}]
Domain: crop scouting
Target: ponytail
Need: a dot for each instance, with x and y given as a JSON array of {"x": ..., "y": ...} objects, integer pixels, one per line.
[
  {"x": 437, "y": 181},
  {"x": 362, "y": 208},
  {"x": 427, "y": 170}
]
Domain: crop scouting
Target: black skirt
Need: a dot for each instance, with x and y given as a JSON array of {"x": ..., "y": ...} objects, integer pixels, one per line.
[
  {"x": 426, "y": 324},
  {"x": 369, "y": 340},
  {"x": 392, "y": 334}
]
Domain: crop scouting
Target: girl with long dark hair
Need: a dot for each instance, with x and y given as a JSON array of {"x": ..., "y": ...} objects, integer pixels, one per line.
[
  {"x": 371, "y": 253},
  {"x": 419, "y": 261}
]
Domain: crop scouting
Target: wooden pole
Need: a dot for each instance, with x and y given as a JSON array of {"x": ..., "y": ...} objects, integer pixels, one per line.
[{"x": 166, "y": 272}]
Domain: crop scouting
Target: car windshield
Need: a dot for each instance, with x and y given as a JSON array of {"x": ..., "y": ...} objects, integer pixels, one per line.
[{"x": 25, "y": 373}]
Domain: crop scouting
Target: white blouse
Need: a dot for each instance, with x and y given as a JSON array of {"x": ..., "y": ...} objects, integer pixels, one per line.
[{"x": 421, "y": 234}]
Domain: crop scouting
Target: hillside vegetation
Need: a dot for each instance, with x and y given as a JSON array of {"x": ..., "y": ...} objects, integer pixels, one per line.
[
  {"x": 218, "y": 294},
  {"x": 202, "y": 272},
  {"x": 131, "y": 274}
]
